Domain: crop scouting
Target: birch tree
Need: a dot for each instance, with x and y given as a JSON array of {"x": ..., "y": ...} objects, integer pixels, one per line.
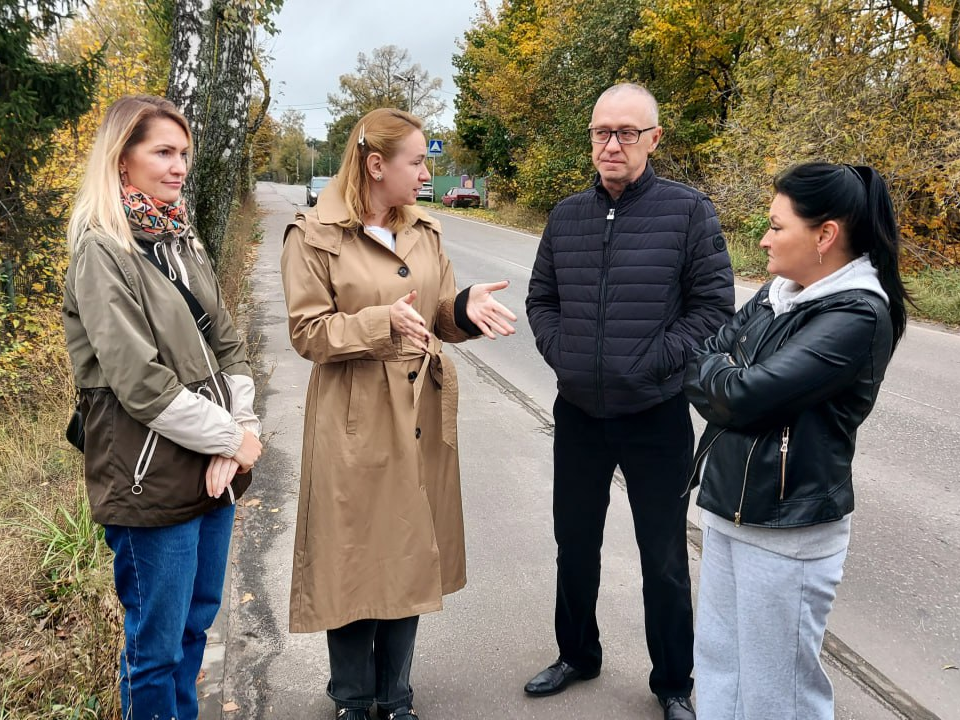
[{"x": 211, "y": 75}]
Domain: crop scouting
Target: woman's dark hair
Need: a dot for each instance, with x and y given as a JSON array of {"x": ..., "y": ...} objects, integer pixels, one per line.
[{"x": 857, "y": 198}]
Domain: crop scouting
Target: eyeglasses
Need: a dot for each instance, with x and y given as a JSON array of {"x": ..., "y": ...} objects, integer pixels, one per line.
[{"x": 625, "y": 136}]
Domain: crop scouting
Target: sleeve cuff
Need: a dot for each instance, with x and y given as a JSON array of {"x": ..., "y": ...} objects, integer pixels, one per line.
[
  {"x": 460, "y": 316},
  {"x": 197, "y": 424}
]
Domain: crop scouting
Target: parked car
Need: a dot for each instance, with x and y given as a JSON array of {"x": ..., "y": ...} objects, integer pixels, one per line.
[
  {"x": 426, "y": 192},
  {"x": 316, "y": 184},
  {"x": 461, "y": 197}
]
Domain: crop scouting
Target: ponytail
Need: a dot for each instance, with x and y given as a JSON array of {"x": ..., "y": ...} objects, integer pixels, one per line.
[{"x": 878, "y": 235}]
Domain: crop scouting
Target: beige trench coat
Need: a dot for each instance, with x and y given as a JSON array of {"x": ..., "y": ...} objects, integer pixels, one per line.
[{"x": 380, "y": 524}]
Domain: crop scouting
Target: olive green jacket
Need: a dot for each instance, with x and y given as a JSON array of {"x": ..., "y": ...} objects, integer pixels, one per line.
[{"x": 158, "y": 399}]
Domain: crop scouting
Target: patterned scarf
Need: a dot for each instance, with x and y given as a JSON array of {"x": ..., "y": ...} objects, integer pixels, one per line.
[{"x": 153, "y": 216}]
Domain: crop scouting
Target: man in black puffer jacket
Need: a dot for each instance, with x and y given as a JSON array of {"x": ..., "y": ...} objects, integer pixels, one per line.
[{"x": 630, "y": 277}]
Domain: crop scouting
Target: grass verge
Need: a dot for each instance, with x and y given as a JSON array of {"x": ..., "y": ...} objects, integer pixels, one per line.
[{"x": 60, "y": 621}]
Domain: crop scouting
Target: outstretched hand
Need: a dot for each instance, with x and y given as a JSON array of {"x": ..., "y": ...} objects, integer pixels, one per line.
[
  {"x": 487, "y": 313},
  {"x": 407, "y": 322}
]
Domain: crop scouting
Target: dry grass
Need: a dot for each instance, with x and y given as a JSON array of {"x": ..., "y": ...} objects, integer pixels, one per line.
[
  {"x": 238, "y": 254},
  {"x": 59, "y": 617},
  {"x": 60, "y": 621},
  {"x": 507, "y": 214},
  {"x": 937, "y": 294}
]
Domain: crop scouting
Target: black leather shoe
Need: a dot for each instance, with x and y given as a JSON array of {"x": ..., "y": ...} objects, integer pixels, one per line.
[
  {"x": 555, "y": 679},
  {"x": 677, "y": 708},
  {"x": 401, "y": 713},
  {"x": 353, "y": 714}
]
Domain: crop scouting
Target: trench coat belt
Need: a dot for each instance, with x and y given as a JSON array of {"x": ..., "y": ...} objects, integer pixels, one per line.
[{"x": 442, "y": 372}]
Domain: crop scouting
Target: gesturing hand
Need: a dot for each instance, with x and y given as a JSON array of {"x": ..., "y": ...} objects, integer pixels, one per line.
[
  {"x": 407, "y": 322},
  {"x": 486, "y": 312}
]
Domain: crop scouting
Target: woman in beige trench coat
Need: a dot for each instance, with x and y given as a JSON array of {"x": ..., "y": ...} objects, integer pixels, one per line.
[{"x": 371, "y": 297}]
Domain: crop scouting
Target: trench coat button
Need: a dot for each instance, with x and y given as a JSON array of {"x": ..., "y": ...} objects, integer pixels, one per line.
[
  {"x": 417, "y": 433},
  {"x": 403, "y": 271},
  {"x": 412, "y": 375}
]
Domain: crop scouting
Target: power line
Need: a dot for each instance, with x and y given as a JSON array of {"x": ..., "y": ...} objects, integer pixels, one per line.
[{"x": 304, "y": 106}]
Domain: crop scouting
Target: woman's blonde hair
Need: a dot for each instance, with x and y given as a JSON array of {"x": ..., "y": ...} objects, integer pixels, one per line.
[
  {"x": 380, "y": 131},
  {"x": 98, "y": 205}
]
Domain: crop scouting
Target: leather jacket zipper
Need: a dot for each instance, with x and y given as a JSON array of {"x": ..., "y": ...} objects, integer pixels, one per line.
[
  {"x": 601, "y": 319},
  {"x": 784, "y": 443},
  {"x": 743, "y": 492}
]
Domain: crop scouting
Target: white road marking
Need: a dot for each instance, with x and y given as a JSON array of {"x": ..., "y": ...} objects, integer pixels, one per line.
[{"x": 919, "y": 402}]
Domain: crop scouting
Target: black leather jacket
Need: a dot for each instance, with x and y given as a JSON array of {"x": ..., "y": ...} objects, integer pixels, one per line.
[{"x": 783, "y": 398}]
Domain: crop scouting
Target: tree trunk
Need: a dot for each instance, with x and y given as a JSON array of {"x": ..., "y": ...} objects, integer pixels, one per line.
[{"x": 212, "y": 48}]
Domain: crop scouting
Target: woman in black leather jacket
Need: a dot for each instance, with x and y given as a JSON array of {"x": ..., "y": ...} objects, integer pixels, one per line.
[{"x": 784, "y": 387}]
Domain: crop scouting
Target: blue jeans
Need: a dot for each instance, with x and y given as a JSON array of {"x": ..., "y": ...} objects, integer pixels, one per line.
[{"x": 169, "y": 580}]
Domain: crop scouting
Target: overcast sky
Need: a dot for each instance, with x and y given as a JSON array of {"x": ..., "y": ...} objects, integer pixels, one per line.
[{"x": 319, "y": 41}]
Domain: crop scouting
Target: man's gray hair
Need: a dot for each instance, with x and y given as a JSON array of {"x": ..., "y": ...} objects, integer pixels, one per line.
[{"x": 639, "y": 90}]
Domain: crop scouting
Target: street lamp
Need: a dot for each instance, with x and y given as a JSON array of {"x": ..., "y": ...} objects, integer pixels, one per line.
[{"x": 413, "y": 83}]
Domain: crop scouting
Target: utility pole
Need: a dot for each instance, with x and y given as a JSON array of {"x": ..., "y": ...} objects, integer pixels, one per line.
[
  {"x": 413, "y": 84},
  {"x": 313, "y": 152}
]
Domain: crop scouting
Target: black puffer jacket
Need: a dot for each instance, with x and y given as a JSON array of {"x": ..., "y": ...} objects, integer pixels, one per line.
[
  {"x": 623, "y": 291},
  {"x": 783, "y": 398}
]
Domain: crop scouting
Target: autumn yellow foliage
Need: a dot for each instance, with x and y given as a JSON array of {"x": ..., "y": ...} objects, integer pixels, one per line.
[
  {"x": 746, "y": 88},
  {"x": 29, "y": 327}
]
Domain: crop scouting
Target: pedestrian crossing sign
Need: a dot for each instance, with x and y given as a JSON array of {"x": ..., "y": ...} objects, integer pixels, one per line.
[{"x": 434, "y": 148}]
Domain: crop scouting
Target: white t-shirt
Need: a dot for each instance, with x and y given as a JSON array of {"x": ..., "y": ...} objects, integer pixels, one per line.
[{"x": 383, "y": 235}]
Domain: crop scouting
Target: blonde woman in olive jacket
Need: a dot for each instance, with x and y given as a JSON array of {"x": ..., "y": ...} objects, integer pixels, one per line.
[
  {"x": 371, "y": 298},
  {"x": 170, "y": 430}
]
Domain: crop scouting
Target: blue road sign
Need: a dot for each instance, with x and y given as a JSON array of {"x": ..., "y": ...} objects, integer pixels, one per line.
[{"x": 434, "y": 148}]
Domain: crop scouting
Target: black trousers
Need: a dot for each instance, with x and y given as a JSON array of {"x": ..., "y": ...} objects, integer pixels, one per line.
[
  {"x": 654, "y": 450},
  {"x": 370, "y": 661}
]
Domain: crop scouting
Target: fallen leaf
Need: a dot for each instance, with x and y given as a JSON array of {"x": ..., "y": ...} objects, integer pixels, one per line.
[
  {"x": 247, "y": 597},
  {"x": 251, "y": 502},
  {"x": 230, "y": 706},
  {"x": 950, "y": 667},
  {"x": 274, "y": 509},
  {"x": 28, "y": 659}
]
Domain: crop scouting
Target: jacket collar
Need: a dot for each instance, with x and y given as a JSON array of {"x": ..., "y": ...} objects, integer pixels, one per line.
[
  {"x": 636, "y": 188},
  {"x": 331, "y": 210}
]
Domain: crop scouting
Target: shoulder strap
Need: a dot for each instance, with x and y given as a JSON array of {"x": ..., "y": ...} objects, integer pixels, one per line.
[{"x": 200, "y": 316}]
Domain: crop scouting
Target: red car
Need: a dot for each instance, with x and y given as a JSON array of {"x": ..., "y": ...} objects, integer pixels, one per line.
[{"x": 461, "y": 197}]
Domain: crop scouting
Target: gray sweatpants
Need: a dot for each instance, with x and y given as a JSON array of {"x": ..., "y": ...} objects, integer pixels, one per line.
[{"x": 761, "y": 617}]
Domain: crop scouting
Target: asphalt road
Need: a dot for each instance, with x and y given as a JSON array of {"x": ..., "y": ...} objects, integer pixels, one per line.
[
  {"x": 899, "y": 603},
  {"x": 896, "y": 616}
]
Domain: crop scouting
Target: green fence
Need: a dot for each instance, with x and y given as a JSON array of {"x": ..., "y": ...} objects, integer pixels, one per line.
[{"x": 442, "y": 183}]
